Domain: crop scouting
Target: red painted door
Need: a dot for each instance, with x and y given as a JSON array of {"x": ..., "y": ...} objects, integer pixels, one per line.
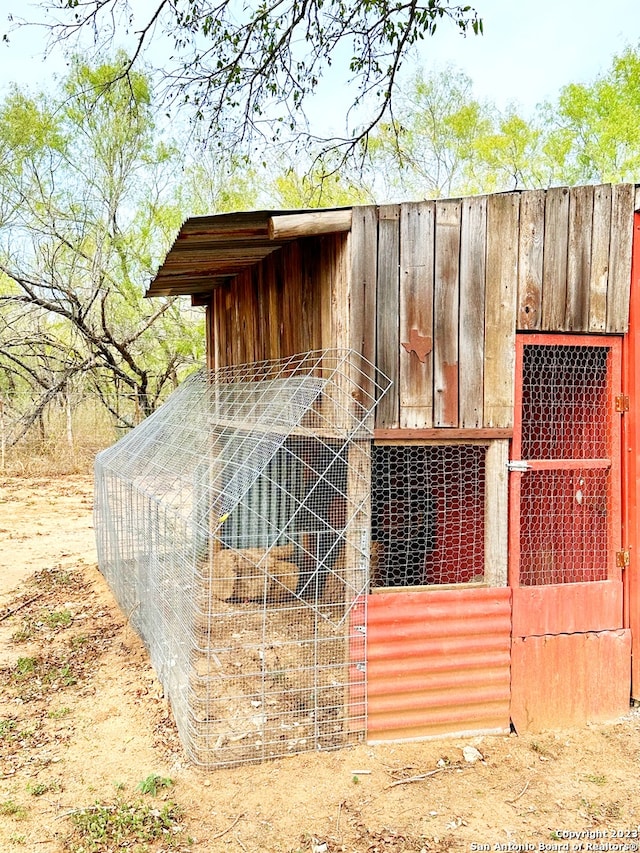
[{"x": 565, "y": 495}]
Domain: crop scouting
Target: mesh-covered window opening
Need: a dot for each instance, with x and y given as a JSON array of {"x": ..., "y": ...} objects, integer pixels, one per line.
[
  {"x": 565, "y": 412},
  {"x": 427, "y": 514},
  {"x": 564, "y": 510}
]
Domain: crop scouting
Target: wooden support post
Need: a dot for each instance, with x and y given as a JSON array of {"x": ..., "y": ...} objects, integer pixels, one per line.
[{"x": 496, "y": 544}]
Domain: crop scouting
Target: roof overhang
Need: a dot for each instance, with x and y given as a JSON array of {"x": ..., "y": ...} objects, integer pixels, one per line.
[{"x": 211, "y": 250}]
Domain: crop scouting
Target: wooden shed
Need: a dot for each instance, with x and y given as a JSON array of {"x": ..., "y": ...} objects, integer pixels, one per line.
[{"x": 504, "y": 489}]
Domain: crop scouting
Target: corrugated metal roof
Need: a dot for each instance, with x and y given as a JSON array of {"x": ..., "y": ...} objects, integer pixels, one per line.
[{"x": 210, "y": 250}]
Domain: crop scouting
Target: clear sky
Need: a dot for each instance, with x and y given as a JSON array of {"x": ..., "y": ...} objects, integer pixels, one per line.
[{"x": 530, "y": 48}]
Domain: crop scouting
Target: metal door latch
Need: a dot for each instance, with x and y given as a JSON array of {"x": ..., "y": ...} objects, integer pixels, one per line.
[{"x": 518, "y": 465}]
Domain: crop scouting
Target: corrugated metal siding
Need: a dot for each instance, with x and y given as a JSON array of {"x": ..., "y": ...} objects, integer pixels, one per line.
[
  {"x": 570, "y": 679},
  {"x": 438, "y": 662},
  {"x": 567, "y": 608}
]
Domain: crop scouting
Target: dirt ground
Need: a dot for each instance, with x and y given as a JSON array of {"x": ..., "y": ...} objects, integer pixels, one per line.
[{"x": 83, "y": 723}]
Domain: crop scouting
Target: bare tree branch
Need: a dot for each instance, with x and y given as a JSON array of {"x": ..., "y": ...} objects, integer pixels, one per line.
[{"x": 249, "y": 70}]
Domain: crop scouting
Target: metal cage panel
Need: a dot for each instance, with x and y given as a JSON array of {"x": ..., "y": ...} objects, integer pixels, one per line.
[{"x": 233, "y": 526}]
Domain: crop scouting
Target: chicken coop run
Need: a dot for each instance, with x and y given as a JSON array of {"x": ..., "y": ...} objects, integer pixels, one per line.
[
  {"x": 233, "y": 529},
  {"x": 480, "y": 525}
]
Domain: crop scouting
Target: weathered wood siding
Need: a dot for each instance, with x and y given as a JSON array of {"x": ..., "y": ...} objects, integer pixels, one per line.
[
  {"x": 434, "y": 292},
  {"x": 456, "y": 279},
  {"x": 290, "y": 302}
]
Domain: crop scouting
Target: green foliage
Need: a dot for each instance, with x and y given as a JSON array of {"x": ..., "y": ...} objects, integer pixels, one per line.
[
  {"x": 10, "y": 809},
  {"x": 445, "y": 142},
  {"x": 33, "y": 676},
  {"x": 52, "y": 619},
  {"x": 153, "y": 782},
  {"x": 57, "y": 619},
  {"x": 211, "y": 184},
  {"x": 7, "y": 728},
  {"x": 594, "y": 131},
  {"x": 87, "y": 210},
  {"x": 59, "y": 713},
  {"x": 38, "y": 789},
  {"x": 108, "y": 827},
  {"x": 322, "y": 186},
  {"x": 25, "y": 667}
]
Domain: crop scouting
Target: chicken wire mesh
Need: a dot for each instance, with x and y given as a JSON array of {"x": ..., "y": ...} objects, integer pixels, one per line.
[
  {"x": 566, "y": 419},
  {"x": 428, "y": 522},
  {"x": 233, "y": 526}
]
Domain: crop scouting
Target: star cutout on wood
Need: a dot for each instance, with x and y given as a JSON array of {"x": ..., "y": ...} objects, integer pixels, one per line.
[{"x": 420, "y": 344}]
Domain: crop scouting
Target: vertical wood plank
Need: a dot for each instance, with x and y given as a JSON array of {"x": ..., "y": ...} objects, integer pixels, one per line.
[
  {"x": 579, "y": 259},
  {"x": 356, "y": 560},
  {"x": 273, "y": 309},
  {"x": 229, "y": 320},
  {"x": 446, "y": 313},
  {"x": 388, "y": 311},
  {"x": 245, "y": 316},
  {"x": 496, "y": 508},
  {"x": 364, "y": 269},
  {"x": 473, "y": 252},
  {"x": 416, "y": 313},
  {"x": 600, "y": 239},
  {"x": 237, "y": 354},
  {"x": 312, "y": 295},
  {"x": 222, "y": 325},
  {"x": 341, "y": 295},
  {"x": 336, "y": 247},
  {"x": 209, "y": 319},
  {"x": 216, "y": 310},
  {"x": 500, "y": 308},
  {"x": 261, "y": 312},
  {"x": 554, "y": 267},
  {"x": 292, "y": 299},
  {"x": 530, "y": 259},
  {"x": 326, "y": 271},
  {"x": 622, "y": 210}
]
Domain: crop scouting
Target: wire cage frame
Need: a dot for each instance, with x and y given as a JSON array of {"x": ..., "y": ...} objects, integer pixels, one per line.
[{"x": 233, "y": 527}]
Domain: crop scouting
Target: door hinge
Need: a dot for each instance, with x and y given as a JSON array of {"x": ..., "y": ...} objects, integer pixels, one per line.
[
  {"x": 622, "y": 559},
  {"x": 518, "y": 465},
  {"x": 622, "y": 403}
]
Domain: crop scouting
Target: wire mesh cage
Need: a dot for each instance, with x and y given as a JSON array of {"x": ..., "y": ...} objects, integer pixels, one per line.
[
  {"x": 428, "y": 514},
  {"x": 567, "y": 425},
  {"x": 233, "y": 526}
]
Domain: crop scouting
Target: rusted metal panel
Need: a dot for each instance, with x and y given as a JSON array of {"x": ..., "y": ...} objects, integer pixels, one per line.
[
  {"x": 570, "y": 679},
  {"x": 567, "y": 608},
  {"x": 438, "y": 663}
]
